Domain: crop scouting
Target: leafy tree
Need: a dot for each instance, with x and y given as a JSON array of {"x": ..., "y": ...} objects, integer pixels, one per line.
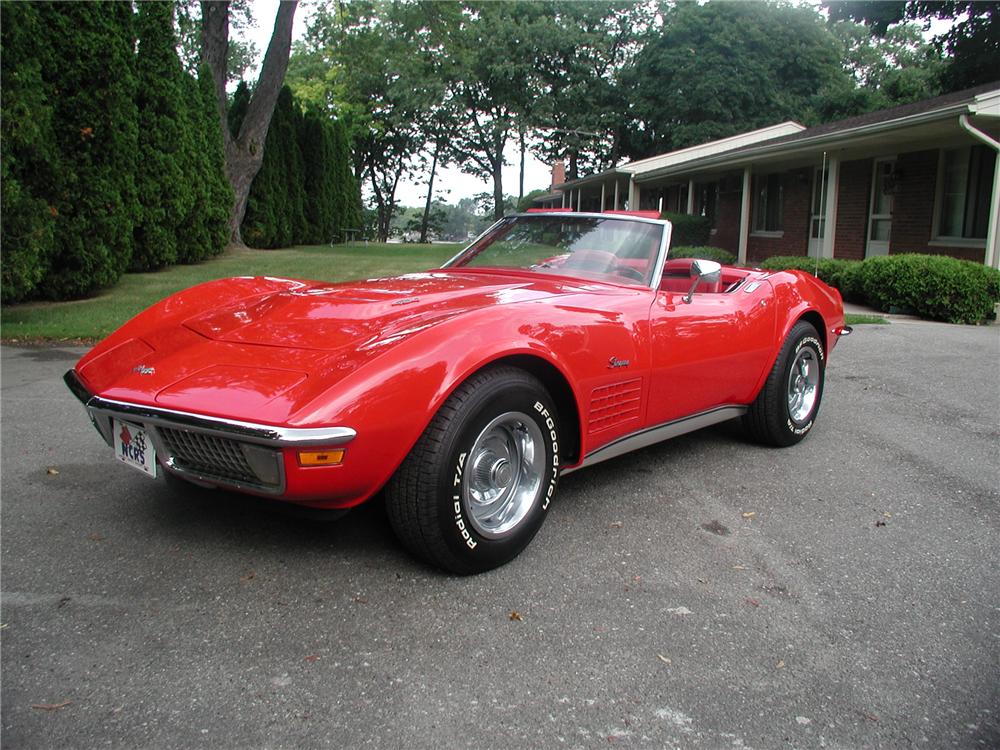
[
  {"x": 582, "y": 111},
  {"x": 94, "y": 120},
  {"x": 347, "y": 199},
  {"x": 972, "y": 43},
  {"x": 28, "y": 160},
  {"x": 316, "y": 142},
  {"x": 163, "y": 181},
  {"x": 722, "y": 68}
]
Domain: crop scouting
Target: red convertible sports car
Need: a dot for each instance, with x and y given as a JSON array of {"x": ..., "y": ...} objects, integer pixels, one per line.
[{"x": 554, "y": 341}]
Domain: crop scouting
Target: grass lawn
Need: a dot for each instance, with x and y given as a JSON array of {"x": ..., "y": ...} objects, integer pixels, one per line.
[
  {"x": 856, "y": 319},
  {"x": 98, "y": 316}
]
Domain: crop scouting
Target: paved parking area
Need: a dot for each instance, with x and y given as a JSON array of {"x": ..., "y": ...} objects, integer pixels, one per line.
[{"x": 703, "y": 593}]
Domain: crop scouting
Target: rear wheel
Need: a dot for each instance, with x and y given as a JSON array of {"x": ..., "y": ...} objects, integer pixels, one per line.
[
  {"x": 474, "y": 490},
  {"x": 786, "y": 407}
]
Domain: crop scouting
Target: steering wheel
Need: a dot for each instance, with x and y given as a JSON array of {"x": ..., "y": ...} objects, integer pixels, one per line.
[{"x": 629, "y": 273}]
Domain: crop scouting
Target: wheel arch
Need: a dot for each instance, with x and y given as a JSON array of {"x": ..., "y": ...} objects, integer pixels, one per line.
[
  {"x": 816, "y": 321},
  {"x": 559, "y": 388}
]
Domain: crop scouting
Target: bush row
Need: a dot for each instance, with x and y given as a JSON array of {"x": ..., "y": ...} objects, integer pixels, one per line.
[
  {"x": 935, "y": 287},
  {"x": 689, "y": 230},
  {"x": 707, "y": 252}
]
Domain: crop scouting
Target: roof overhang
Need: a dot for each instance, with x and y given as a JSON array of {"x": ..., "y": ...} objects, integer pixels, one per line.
[{"x": 892, "y": 136}]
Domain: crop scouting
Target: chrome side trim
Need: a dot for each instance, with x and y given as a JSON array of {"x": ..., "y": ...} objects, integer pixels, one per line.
[
  {"x": 653, "y": 435},
  {"x": 250, "y": 432}
]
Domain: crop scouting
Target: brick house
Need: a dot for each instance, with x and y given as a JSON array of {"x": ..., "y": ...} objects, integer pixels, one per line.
[{"x": 923, "y": 177}]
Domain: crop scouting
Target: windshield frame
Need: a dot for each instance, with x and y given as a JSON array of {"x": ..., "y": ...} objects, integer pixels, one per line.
[{"x": 661, "y": 253}]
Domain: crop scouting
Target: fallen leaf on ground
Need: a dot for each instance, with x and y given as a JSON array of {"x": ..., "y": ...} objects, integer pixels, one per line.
[
  {"x": 750, "y": 514},
  {"x": 515, "y": 615},
  {"x": 753, "y": 602},
  {"x": 780, "y": 664},
  {"x": 664, "y": 659},
  {"x": 248, "y": 577},
  {"x": 358, "y": 599},
  {"x": 868, "y": 716},
  {"x": 615, "y": 524},
  {"x": 739, "y": 567},
  {"x": 95, "y": 537},
  {"x": 51, "y": 706},
  {"x": 880, "y": 523},
  {"x": 312, "y": 658},
  {"x": 52, "y": 471}
]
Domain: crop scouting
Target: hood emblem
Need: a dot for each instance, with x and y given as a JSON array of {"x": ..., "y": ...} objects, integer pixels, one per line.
[
  {"x": 143, "y": 370},
  {"x": 615, "y": 363}
]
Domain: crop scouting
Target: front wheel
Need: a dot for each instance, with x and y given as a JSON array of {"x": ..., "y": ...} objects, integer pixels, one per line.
[
  {"x": 786, "y": 407},
  {"x": 474, "y": 490}
]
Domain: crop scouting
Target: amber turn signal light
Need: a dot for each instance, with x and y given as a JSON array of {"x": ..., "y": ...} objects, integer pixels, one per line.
[{"x": 321, "y": 458}]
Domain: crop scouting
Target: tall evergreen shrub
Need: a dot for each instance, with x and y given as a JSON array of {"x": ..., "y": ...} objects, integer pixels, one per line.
[
  {"x": 95, "y": 124},
  {"x": 28, "y": 159},
  {"x": 164, "y": 178}
]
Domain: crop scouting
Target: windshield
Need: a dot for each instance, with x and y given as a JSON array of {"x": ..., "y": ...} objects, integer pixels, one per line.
[{"x": 619, "y": 250}]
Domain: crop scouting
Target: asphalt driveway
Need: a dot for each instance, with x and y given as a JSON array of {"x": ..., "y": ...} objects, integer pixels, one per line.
[{"x": 701, "y": 593}]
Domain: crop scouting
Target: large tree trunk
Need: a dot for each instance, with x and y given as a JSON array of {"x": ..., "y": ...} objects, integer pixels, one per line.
[{"x": 245, "y": 153}]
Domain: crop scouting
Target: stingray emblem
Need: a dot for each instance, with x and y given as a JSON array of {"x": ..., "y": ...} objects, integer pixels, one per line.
[
  {"x": 143, "y": 370},
  {"x": 615, "y": 363}
]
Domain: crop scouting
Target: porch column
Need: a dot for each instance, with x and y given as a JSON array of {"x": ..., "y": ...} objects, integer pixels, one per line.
[
  {"x": 602, "y": 198},
  {"x": 633, "y": 195},
  {"x": 993, "y": 228},
  {"x": 741, "y": 256},
  {"x": 830, "y": 216},
  {"x": 690, "y": 205},
  {"x": 579, "y": 198},
  {"x": 562, "y": 200},
  {"x": 616, "y": 195}
]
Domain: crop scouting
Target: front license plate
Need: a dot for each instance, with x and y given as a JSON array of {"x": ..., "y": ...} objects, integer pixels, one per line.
[{"x": 134, "y": 448}]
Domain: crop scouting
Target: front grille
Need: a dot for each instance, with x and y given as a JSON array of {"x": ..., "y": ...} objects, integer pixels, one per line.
[{"x": 208, "y": 455}]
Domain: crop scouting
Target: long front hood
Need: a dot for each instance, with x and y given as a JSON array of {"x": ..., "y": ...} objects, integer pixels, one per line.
[
  {"x": 361, "y": 314},
  {"x": 263, "y": 354}
]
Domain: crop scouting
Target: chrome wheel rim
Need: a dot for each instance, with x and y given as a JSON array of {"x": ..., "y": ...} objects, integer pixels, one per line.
[
  {"x": 803, "y": 385},
  {"x": 504, "y": 473}
]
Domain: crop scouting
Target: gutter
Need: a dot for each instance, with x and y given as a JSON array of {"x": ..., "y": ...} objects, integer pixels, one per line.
[{"x": 993, "y": 228}]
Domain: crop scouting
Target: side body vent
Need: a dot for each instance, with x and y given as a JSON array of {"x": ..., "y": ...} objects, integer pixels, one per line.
[{"x": 613, "y": 404}]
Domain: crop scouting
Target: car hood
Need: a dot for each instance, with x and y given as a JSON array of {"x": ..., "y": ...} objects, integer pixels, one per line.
[{"x": 328, "y": 317}]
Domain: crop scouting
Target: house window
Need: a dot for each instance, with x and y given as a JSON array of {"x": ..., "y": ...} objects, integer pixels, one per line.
[
  {"x": 965, "y": 189},
  {"x": 767, "y": 208},
  {"x": 706, "y": 199}
]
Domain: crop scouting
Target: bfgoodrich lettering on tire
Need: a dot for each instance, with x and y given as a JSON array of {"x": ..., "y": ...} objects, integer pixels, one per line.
[
  {"x": 474, "y": 490},
  {"x": 785, "y": 409}
]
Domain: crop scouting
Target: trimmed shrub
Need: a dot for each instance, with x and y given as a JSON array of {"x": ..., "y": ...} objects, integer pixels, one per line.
[
  {"x": 688, "y": 229},
  {"x": 706, "y": 252},
  {"x": 933, "y": 286}
]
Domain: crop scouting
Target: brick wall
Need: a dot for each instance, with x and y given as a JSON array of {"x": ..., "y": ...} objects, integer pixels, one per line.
[
  {"x": 727, "y": 216},
  {"x": 852, "y": 209},
  {"x": 913, "y": 209},
  {"x": 797, "y": 196}
]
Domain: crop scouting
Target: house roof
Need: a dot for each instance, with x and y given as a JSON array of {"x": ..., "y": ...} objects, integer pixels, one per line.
[
  {"x": 982, "y": 100},
  {"x": 679, "y": 156}
]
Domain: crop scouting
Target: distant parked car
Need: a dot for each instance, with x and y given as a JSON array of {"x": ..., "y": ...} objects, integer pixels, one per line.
[{"x": 554, "y": 341}]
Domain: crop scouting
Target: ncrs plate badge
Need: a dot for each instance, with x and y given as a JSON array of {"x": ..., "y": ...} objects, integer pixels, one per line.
[{"x": 134, "y": 448}]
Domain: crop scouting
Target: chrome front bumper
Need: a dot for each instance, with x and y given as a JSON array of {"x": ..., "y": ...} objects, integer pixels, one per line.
[{"x": 210, "y": 450}]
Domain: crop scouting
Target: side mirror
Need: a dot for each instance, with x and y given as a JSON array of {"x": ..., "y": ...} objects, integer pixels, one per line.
[{"x": 703, "y": 270}]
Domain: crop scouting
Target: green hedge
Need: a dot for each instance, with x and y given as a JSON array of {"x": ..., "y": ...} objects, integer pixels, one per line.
[
  {"x": 688, "y": 229},
  {"x": 706, "y": 252},
  {"x": 935, "y": 287}
]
